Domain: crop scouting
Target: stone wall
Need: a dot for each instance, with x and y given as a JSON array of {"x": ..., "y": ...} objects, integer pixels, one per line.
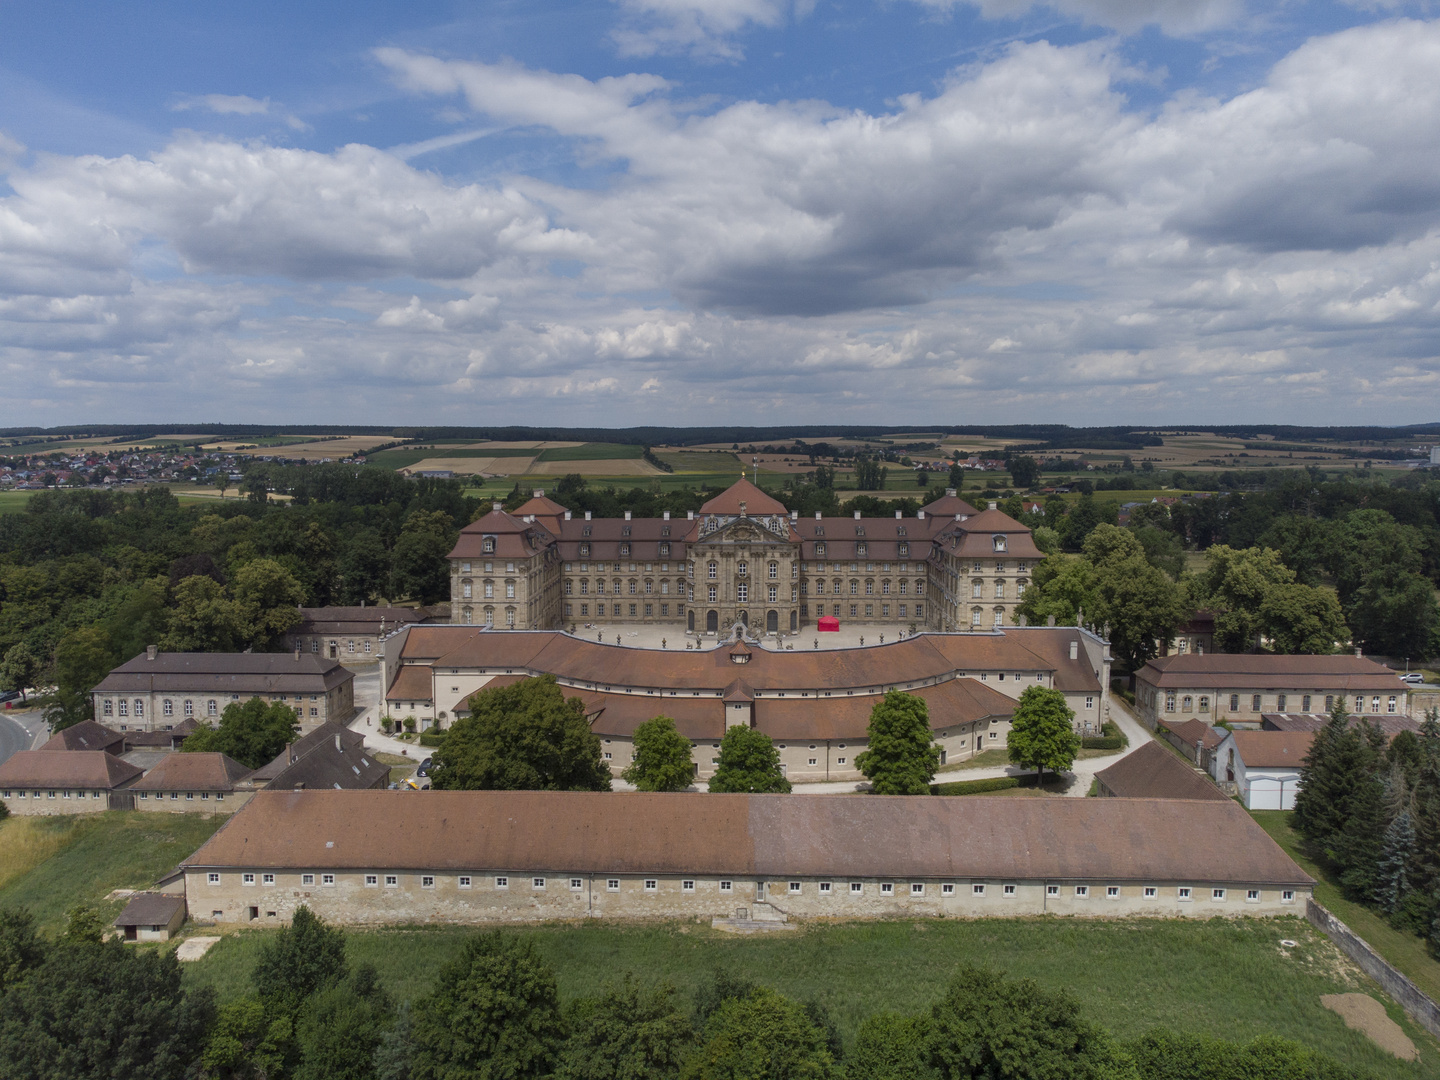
[
  {"x": 1416, "y": 1004},
  {"x": 29, "y": 803},
  {"x": 191, "y": 802},
  {"x": 371, "y": 897}
]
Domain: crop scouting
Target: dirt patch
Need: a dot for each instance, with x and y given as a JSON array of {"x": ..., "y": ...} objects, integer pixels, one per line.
[
  {"x": 194, "y": 948},
  {"x": 472, "y": 466},
  {"x": 1363, "y": 1013},
  {"x": 597, "y": 467}
]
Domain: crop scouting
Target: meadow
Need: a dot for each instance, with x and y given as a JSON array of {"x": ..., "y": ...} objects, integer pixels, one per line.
[{"x": 13, "y": 501}]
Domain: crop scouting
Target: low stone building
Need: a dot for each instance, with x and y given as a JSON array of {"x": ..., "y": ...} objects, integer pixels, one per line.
[
  {"x": 151, "y": 917},
  {"x": 66, "y": 782},
  {"x": 200, "y": 783},
  {"x": 387, "y": 857},
  {"x": 86, "y": 735},
  {"x": 815, "y": 705},
  {"x": 156, "y": 690},
  {"x": 1241, "y": 688},
  {"x": 1152, "y": 772},
  {"x": 351, "y": 635}
]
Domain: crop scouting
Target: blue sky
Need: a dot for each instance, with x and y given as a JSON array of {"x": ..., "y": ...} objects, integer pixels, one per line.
[{"x": 1100, "y": 211}]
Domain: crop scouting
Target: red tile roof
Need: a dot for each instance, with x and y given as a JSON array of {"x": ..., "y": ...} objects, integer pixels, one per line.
[
  {"x": 1264, "y": 671},
  {"x": 1272, "y": 749},
  {"x": 193, "y": 772},
  {"x": 90, "y": 769},
  {"x": 1150, "y": 771},
  {"x": 757, "y": 503}
]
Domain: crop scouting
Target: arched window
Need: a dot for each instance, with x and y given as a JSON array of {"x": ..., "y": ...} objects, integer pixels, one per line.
[
  {"x": 1187, "y": 703},
  {"x": 712, "y": 622}
]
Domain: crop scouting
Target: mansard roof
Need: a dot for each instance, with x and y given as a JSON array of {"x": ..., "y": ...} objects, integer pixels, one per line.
[
  {"x": 949, "y": 505},
  {"x": 514, "y": 539}
]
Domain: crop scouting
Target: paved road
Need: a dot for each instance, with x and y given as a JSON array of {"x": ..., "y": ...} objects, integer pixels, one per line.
[{"x": 19, "y": 731}]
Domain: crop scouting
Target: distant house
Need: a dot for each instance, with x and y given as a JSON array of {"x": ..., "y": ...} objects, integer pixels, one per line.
[
  {"x": 151, "y": 917},
  {"x": 45, "y": 782},
  {"x": 165, "y": 739},
  {"x": 331, "y": 756},
  {"x": 1264, "y": 766},
  {"x": 87, "y": 735},
  {"x": 1153, "y": 772},
  {"x": 204, "y": 783},
  {"x": 352, "y": 635}
]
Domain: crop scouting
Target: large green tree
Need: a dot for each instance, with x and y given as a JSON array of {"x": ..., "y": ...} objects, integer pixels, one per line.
[
  {"x": 762, "y": 1034},
  {"x": 1255, "y": 596},
  {"x": 494, "y": 1014},
  {"x": 269, "y": 598},
  {"x": 661, "y": 759},
  {"x": 628, "y": 1032},
  {"x": 1042, "y": 731},
  {"x": 1137, "y": 603},
  {"x": 20, "y": 669},
  {"x": 420, "y": 568},
  {"x": 300, "y": 960},
  {"x": 252, "y": 732},
  {"x": 525, "y": 737},
  {"x": 205, "y": 619},
  {"x": 749, "y": 763},
  {"x": 891, "y": 1046},
  {"x": 901, "y": 756}
]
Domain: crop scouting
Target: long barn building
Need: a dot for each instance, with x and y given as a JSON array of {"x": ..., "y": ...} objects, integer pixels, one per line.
[
  {"x": 383, "y": 857},
  {"x": 814, "y": 705}
]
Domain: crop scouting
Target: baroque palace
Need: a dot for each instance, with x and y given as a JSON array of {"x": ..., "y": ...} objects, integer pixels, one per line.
[{"x": 742, "y": 559}]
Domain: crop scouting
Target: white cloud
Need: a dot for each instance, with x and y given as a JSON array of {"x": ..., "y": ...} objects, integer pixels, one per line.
[
  {"x": 704, "y": 29},
  {"x": 1171, "y": 16},
  {"x": 239, "y": 105}
]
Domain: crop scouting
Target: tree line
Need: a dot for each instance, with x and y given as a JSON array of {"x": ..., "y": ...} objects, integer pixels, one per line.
[
  {"x": 1371, "y": 813},
  {"x": 82, "y": 1008}
]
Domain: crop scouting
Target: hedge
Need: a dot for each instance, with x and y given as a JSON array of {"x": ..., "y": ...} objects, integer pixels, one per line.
[
  {"x": 432, "y": 738},
  {"x": 1106, "y": 742},
  {"x": 975, "y": 787}
]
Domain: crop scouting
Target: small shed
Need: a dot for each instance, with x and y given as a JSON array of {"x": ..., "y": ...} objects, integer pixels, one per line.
[
  {"x": 828, "y": 624},
  {"x": 151, "y": 917}
]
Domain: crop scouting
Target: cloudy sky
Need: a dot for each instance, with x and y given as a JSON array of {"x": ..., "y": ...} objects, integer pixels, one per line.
[{"x": 689, "y": 211}]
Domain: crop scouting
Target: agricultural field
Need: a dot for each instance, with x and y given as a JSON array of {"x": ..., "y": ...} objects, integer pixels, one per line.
[
  {"x": 301, "y": 448},
  {"x": 699, "y": 461},
  {"x": 1226, "y": 977},
  {"x": 14, "y": 501}
]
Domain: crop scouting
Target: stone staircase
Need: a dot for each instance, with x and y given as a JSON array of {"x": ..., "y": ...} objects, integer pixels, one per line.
[{"x": 759, "y": 918}]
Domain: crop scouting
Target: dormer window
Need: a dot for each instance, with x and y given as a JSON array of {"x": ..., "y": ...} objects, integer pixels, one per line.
[
  {"x": 904, "y": 550},
  {"x": 584, "y": 551},
  {"x": 585, "y": 531},
  {"x": 487, "y": 545},
  {"x": 625, "y": 548},
  {"x": 664, "y": 549},
  {"x": 664, "y": 530},
  {"x": 625, "y": 531},
  {"x": 859, "y": 530},
  {"x": 820, "y": 550},
  {"x": 860, "y": 548},
  {"x": 999, "y": 542},
  {"x": 819, "y": 530},
  {"x": 900, "y": 530}
]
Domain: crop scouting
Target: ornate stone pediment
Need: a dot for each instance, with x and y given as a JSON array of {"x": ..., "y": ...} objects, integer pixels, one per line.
[{"x": 744, "y": 531}]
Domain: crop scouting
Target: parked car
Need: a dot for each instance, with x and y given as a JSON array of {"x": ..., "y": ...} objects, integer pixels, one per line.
[
  {"x": 1412, "y": 677},
  {"x": 424, "y": 769},
  {"x": 9, "y": 695}
]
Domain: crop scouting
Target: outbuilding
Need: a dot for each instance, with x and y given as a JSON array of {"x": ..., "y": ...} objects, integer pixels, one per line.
[
  {"x": 1265, "y": 766},
  {"x": 151, "y": 917}
]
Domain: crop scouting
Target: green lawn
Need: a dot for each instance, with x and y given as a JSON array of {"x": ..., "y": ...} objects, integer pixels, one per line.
[
  {"x": 1404, "y": 951},
  {"x": 699, "y": 461},
  {"x": 11, "y": 501},
  {"x": 101, "y": 852},
  {"x": 591, "y": 452},
  {"x": 1226, "y": 977},
  {"x": 986, "y": 759},
  {"x": 404, "y": 456}
]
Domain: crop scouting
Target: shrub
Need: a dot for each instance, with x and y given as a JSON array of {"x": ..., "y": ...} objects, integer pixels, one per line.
[
  {"x": 432, "y": 738},
  {"x": 975, "y": 787},
  {"x": 409, "y": 723},
  {"x": 1103, "y": 743}
]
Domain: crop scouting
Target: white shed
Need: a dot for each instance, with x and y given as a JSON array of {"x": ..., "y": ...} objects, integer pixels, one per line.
[{"x": 1265, "y": 766}]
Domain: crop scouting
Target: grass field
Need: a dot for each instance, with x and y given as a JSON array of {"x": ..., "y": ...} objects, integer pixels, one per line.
[
  {"x": 591, "y": 452},
  {"x": 51, "y": 864},
  {"x": 1405, "y": 951},
  {"x": 699, "y": 461},
  {"x": 403, "y": 457},
  {"x": 1230, "y": 978},
  {"x": 11, "y": 501}
]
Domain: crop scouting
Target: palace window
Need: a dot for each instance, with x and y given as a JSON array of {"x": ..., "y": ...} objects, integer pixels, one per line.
[
  {"x": 711, "y": 570},
  {"x": 773, "y": 570},
  {"x": 487, "y": 545},
  {"x": 742, "y": 592},
  {"x": 742, "y": 568}
]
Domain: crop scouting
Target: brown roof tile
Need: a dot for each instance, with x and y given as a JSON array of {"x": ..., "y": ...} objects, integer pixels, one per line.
[
  {"x": 1272, "y": 749},
  {"x": 90, "y": 769},
  {"x": 1263, "y": 671},
  {"x": 226, "y": 673},
  {"x": 1152, "y": 772},
  {"x": 1194, "y": 732},
  {"x": 757, "y": 503},
  {"x": 1092, "y": 840},
  {"x": 193, "y": 772},
  {"x": 86, "y": 735},
  {"x": 150, "y": 909}
]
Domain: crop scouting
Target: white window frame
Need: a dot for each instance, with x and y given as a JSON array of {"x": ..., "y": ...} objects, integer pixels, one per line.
[
  {"x": 502, "y": 882},
  {"x": 652, "y": 885},
  {"x": 727, "y": 886},
  {"x": 247, "y": 879}
]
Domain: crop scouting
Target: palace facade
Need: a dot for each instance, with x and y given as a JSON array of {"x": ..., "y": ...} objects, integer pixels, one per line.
[{"x": 743, "y": 558}]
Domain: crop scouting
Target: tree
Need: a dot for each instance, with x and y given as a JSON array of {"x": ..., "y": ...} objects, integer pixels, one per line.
[
  {"x": 341, "y": 1028},
  {"x": 1330, "y": 775},
  {"x": 1139, "y": 604},
  {"x": 749, "y": 763},
  {"x": 269, "y": 600},
  {"x": 96, "y": 1011},
  {"x": 990, "y": 1026},
  {"x": 1393, "y": 611},
  {"x": 82, "y": 658},
  {"x": 253, "y": 733},
  {"x": 494, "y": 1015},
  {"x": 1042, "y": 732},
  {"x": 1025, "y": 472},
  {"x": 890, "y": 1046},
  {"x": 627, "y": 1033},
  {"x": 761, "y": 1035},
  {"x": 661, "y": 760},
  {"x": 902, "y": 755},
  {"x": 21, "y": 947},
  {"x": 301, "y": 960},
  {"x": 205, "y": 619},
  {"x": 1060, "y": 588},
  {"x": 419, "y": 565},
  {"x": 525, "y": 737},
  {"x": 1303, "y": 619},
  {"x": 957, "y": 477},
  {"x": 20, "y": 669}
]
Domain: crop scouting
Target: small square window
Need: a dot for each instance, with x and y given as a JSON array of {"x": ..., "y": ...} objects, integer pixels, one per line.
[
  {"x": 247, "y": 879},
  {"x": 327, "y": 879},
  {"x": 1217, "y": 895},
  {"x": 977, "y": 890},
  {"x": 825, "y": 887},
  {"x": 1007, "y": 890},
  {"x": 887, "y": 888},
  {"x": 267, "y": 879},
  {"x": 1150, "y": 892},
  {"x": 213, "y": 879},
  {"x": 307, "y": 879},
  {"x": 651, "y": 885},
  {"x": 1252, "y": 896},
  {"x": 1052, "y": 890},
  {"x": 1184, "y": 892},
  {"x": 917, "y": 888},
  {"x": 613, "y": 884},
  {"x": 1287, "y": 896},
  {"x": 427, "y": 881},
  {"x": 537, "y": 883},
  {"x": 392, "y": 881},
  {"x": 687, "y": 886},
  {"x": 502, "y": 882},
  {"x": 372, "y": 880},
  {"x": 464, "y": 881},
  {"x": 856, "y": 888},
  {"x": 948, "y": 889},
  {"x": 794, "y": 887},
  {"x": 576, "y": 884},
  {"x": 1082, "y": 892},
  {"x": 1112, "y": 892}
]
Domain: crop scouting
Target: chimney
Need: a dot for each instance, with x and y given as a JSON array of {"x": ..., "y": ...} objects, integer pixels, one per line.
[
  {"x": 297, "y": 654},
  {"x": 338, "y": 748},
  {"x": 817, "y": 515},
  {"x": 152, "y": 650},
  {"x": 665, "y": 516},
  {"x": 920, "y": 515},
  {"x": 1050, "y": 621},
  {"x": 539, "y": 493},
  {"x": 587, "y": 515},
  {"x": 290, "y": 753},
  {"x": 496, "y": 506},
  {"x": 950, "y": 492},
  {"x": 857, "y": 515},
  {"x": 898, "y": 514},
  {"x": 689, "y": 515},
  {"x": 1074, "y": 650},
  {"x": 362, "y": 603},
  {"x": 742, "y": 509},
  {"x": 794, "y": 515},
  {"x": 1358, "y": 654},
  {"x": 627, "y": 515},
  {"x": 994, "y": 505},
  {"x": 962, "y": 517}
]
